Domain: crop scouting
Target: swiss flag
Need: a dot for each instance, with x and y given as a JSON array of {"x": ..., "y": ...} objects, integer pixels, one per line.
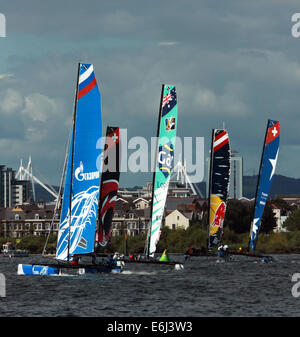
[{"x": 273, "y": 132}]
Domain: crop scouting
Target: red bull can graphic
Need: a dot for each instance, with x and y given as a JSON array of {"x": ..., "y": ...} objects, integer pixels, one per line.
[{"x": 217, "y": 214}]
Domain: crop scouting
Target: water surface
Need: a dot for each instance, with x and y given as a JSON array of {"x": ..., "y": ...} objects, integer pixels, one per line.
[{"x": 241, "y": 287}]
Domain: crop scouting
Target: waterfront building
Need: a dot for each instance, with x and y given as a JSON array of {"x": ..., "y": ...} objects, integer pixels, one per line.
[
  {"x": 30, "y": 218},
  {"x": 178, "y": 220},
  {"x": 12, "y": 191},
  {"x": 236, "y": 176}
]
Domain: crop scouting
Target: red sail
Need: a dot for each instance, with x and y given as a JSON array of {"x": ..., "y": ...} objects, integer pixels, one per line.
[{"x": 109, "y": 185}]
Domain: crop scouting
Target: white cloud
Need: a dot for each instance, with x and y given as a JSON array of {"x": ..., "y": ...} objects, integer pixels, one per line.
[
  {"x": 12, "y": 100},
  {"x": 205, "y": 99},
  {"x": 168, "y": 43},
  {"x": 39, "y": 107},
  {"x": 207, "y": 102},
  {"x": 4, "y": 76},
  {"x": 119, "y": 21}
]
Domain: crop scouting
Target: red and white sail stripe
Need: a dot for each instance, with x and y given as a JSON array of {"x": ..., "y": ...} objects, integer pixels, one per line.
[{"x": 220, "y": 140}]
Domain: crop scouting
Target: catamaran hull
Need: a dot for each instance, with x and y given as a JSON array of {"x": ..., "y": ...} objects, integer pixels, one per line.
[
  {"x": 28, "y": 269},
  {"x": 83, "y": 271},
  {"x": 118, "y": 269}
]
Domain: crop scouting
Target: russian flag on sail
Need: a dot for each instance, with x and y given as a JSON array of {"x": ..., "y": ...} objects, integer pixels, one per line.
[{"x": 87, "y": 80}]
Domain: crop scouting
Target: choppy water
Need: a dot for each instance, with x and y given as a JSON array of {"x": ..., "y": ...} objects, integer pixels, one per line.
[{"x": 241, "y": 287}]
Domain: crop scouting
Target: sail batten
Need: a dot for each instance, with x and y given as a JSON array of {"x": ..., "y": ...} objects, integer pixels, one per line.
[
  {"x": 218, "y": 186},
  {"x": 164, "y": 163},
  {"x": 81, "y": 193},
  {"x": 266, "y": 172}
]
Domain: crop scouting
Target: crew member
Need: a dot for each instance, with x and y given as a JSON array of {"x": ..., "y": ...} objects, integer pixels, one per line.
[{"x": 75, "y": 261}]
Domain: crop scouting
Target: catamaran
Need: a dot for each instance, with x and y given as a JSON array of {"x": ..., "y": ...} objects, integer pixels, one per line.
[
  {"x": 85, "y": 218},
  {"x": 266, "y": 172},
  {"x": 164, "y": 163},
  {"x": 219, "y": 175},
  {"x": 218, "y": 187},
  {"x": 165, "y": 147}
]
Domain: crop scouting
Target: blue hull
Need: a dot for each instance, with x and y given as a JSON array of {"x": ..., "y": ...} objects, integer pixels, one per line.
[{"x": 28, "y": 269}]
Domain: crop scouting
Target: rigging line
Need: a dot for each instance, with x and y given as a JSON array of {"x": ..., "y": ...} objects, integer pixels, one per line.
[
  {"x": 48, "y": 183},
  {"x": 58, "y": 201}
]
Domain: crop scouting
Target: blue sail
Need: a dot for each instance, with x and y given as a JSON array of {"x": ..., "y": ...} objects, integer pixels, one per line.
[
  {"x": 267, "y": 170},
  {"x": 77, "y": 234}
]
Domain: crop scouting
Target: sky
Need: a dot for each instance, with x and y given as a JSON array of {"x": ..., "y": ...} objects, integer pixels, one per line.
[{"x": 233, "y": 61}]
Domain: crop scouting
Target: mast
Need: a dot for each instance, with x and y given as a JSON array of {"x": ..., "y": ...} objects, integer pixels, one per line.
[
  {"x": 154, "y": 173},
  {"x": 72, "y": 162},
  {"x": 209, "y": 186},
  {"x": 258, "y": 179}
]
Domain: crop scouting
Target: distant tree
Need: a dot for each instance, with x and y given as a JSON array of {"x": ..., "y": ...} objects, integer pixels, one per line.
[
  {"x": 268, "y": 221},
  {"x": 283, "y": 205},
  {"x": 203, "y": 222},
  {"x": 34, "y": 244},
  {"x": 292, "y": 223},
  {"x": 237, "y": 217}
]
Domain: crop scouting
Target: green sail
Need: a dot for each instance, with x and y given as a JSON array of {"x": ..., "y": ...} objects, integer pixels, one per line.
[{"x": 167, "y": 126}]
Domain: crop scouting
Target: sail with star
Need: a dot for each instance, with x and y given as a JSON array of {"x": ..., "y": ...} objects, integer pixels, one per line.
[{"x": 266, "y": 173}]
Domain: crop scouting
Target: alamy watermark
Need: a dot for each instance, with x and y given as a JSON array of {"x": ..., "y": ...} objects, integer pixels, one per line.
[
  {"x": 296, "y": 27},
  {"x": 296, "y": 286},
  {"x": 2, "y": 285},
  {"x": 2, "y": 25},
  {"x": 137, "y": 154}
]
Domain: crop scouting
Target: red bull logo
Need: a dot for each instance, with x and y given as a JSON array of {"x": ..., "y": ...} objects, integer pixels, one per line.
[
  {"x": 217, "y": 214},
  {"x": 220, "y": 215}
]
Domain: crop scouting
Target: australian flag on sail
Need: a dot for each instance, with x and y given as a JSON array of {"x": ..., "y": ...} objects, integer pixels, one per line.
[
  {"x": 169, "y": 100},
  {"x": 81, "y": 193},
  {"x": 267, "y": 170}
]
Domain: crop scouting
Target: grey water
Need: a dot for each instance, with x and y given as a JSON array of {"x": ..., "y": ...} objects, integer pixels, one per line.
[{"x": 241, "y": 287}]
